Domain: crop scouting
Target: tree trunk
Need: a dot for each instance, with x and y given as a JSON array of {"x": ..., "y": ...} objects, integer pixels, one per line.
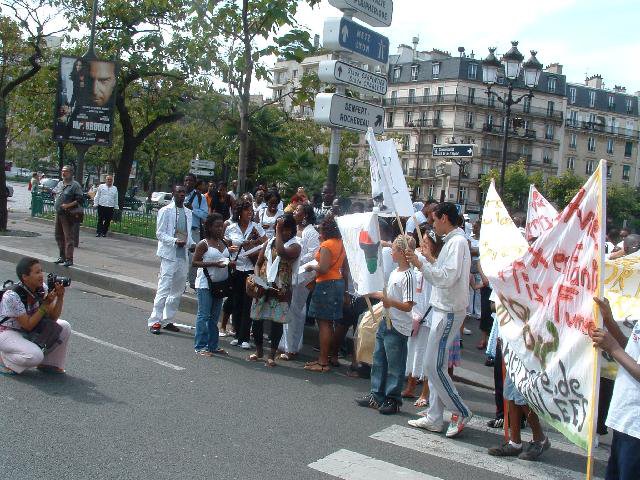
[
  {"x": 121, "y": 178},
  {"x": 4, "y": 131}
]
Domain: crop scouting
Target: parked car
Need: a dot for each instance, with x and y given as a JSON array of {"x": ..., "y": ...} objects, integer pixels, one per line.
[
  {"x": 46, "y": 186},
  {"x": 160, "y": 199},
  {"x": 9, "y": 191}
]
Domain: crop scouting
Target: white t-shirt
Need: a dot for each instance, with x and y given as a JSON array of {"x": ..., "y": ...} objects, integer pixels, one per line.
[
  {"x": 401, "y": 286},
  {"x": 624, "y": 412},
  {"x": 217, "y": 274},
  {"x": 411, "y": 225},
  {"x": 268, "y": 222},
  {"x": 235, "y": 235}
]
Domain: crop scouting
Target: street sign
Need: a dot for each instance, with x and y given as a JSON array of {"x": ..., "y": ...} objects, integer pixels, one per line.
[
  {"x": 344, "y": 35},
  {"x": 376, "y": 13},
  {"x": 335, "y": 71},
  {"x": 336, "y": 110},
  {"x": 202, "y": 168},
  {"x": 456, "y": 150}
]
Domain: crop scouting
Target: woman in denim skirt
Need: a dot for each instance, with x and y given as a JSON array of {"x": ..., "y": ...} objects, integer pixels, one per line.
[{"x": 328, "y": 294}]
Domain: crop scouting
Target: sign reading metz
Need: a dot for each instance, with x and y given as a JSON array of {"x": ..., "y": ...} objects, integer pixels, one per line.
[
  {"x": 336, "y": 110},
  {"x": 459, "y": 150},
  {"x": 335, "y": 71},
  {"x": 376, "y": 13},
  {"x": 344, "y": 35}
]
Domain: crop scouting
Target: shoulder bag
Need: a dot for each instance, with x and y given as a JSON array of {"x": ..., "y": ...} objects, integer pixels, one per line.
[{"x": 222, "y": 288}]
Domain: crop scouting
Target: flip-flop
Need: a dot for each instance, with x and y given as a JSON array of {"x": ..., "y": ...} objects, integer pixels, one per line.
[
  {"x": 254, "y": 358},
  {"x": 421, "y": 402},
  {"x": 270, "y": 363},
  {"x": 311, "y": 364},
  {"x": 319, "y": 368},
  {"x": 7, "y": 371}
]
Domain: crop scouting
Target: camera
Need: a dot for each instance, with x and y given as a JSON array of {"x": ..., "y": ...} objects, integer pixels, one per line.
[{"x": 52, "y": 279}]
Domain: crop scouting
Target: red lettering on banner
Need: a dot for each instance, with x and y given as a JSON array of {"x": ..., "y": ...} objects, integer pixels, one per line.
[
  {"x": 538, "y": 257},
  {"x": 574, "y": 206},
  {"x": 565, "y": 293},
  {"x": 560, "y": 260}
]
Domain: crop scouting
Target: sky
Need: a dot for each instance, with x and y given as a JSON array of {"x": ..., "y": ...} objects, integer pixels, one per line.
[{"x": 585, "y": 36}]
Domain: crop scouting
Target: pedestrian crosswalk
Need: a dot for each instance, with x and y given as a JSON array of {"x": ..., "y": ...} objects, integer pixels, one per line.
[{"x": 350, "y": 465}]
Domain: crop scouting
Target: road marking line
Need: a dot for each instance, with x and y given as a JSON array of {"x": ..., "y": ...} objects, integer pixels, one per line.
[
  {"x": 126, "y": 350},
  {"x": 472, "y": 455},
  {"x": 350, "y": 465}
]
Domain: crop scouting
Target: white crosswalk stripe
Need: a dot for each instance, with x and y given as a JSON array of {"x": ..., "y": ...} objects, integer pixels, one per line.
[{"x": 349, "y": 465}]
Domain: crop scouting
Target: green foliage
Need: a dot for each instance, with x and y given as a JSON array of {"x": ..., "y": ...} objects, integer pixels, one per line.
[
  {"x": 560, "y": 190},
  {"x": 516, "y": 184}
]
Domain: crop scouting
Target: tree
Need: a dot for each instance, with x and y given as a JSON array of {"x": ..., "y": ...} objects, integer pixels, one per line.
[
  {"x": 516, "y": 184},
  {"x": 22, "y": 48},
  {"x": 239, "y": 34},
  {"x": 560, "y": 190}
]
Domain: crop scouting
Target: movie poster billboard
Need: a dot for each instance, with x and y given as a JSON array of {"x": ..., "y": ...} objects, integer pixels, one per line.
[{"x": 85, "y": 101}]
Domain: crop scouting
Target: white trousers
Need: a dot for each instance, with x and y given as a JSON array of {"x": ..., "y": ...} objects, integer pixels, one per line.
[
  {"x": 18, "y": 354},
  {"x": 293, "y": 331},
  {"x": 443, "y": 393},
  {"x": 171, "y": 282}
]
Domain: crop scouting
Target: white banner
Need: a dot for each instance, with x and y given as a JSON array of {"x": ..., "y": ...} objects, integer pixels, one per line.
[
  {"x": 388, "y": 185},
  {"x": 546, "y": 306},
  {"x": 540, "y": 214},
  {"x": 361, "y": 239}
]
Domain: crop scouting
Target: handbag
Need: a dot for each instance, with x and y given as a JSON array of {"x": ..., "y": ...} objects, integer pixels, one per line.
[
  {"x": 252, "y": 289},
  {"x": 77, "y": 214},
  {"x": 46, "y": 335},
  {"x": 219, "y": 289}
]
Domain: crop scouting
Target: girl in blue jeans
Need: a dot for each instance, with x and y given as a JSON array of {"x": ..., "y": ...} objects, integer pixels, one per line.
[{"x": 212, "y": 256}]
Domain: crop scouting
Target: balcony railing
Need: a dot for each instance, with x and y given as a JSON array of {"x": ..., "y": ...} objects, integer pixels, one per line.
[
  {"x": 424, "y": 123},
  {"x": 602, "y": 128},
  {"x": 460, "y": 99},
  {"x": 511, "y": 156},
  {"x": 422, "y": 172}
]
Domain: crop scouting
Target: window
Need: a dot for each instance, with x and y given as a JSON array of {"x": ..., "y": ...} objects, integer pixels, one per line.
[
  {"x": 472, "y": 71},
  {"x": 591, "y": 144},
  {"x": 471, "y": 96},
  {"x": 629, "y": 105},
  {"x": 436, "y": 117},
  {"x": 573, "y": 140},
  {"x": 491, "y": 102},
  {"x": 609, "y": 171},
  {"x": 427, "y": 93},
  {"x": 525, "y": 151},
  {"x": 571, "y": 163},
  {"x": 612, "y": 102},
  {"x": 628, "y": 147},
  {"x": 394, "y": 97},
  {"x": 462, "y": 195},
  {"x": 435, "y": 140},
  {"x": 526, "y": 105},
  {"x": 547, "y": 156},
  {"x": 431, "y": 190},
  {"x": 551, "y": 85},
  {"x": 412, "y": 95},
  {"x": 626, "y": 170},
  {"x": 489, "y": 121},
  {"x": 435, "y": 70},
  {"x": 592, "y": 99},
  {"x": 408, "y": 118},
  {"x": 548, "y": 134},
  {"x": 405, "y": 143},
  {"x": 610, "y": 146},
  {"x": 572, "y": 94},
  {"x": 589, "y": 167},
  {"x": 550, "y": 106},
  {"x": 469, "y": 122},
  {"x": 485, "y": 168},
  {"x": 389, "y": 119},
  {"x": 573, "y": 117},
  {"x": 440, "y": 93},
  {"x": 397, "y": 71},
  {"x": 414, "y": 72}
]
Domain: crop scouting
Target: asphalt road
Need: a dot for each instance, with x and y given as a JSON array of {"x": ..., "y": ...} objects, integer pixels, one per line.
[{"x": 121, "y": 413}]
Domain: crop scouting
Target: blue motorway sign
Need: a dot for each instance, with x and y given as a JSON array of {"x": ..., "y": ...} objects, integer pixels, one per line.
[{"x": 342, "y": 34}]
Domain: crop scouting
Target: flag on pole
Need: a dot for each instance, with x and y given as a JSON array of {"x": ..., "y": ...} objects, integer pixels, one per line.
[
  {"x": 546, "y": 307},
  {"x": 540, "y": 214}
]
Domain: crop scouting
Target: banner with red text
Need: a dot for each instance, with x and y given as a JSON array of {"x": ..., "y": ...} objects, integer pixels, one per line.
[
  {"x": 546, "y": 308},
  {"x": 540, "y": 214}
]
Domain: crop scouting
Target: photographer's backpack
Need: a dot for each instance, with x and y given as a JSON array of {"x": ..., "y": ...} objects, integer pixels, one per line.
[{"x": 10, "y": 285}]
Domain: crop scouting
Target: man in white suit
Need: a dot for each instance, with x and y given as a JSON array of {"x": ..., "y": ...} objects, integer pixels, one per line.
[{"x": 173, "y": 231}]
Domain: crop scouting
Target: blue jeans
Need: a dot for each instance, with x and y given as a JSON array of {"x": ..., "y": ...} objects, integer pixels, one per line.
[
  {"x": 624, "y": 462},
  {"x": 207, "y": 320},
  {"x": 389, "y": 362}
]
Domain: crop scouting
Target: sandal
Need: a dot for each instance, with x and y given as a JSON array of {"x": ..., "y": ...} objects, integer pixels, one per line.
[
  {"x": 7, "y": 371},
  {"x": 421, "y": 402},
  {"x": 317, "y": 367},
  {"x": 270, "y": 363},
  {"x": 204, "y": 353},
  {"x": 311, "y": 364},
  {"x": 51, "y": 369},
  {"x": 219, "y": 351},
  {"x": 286, "y": 356},
  {"x": 254, "y": 357}
]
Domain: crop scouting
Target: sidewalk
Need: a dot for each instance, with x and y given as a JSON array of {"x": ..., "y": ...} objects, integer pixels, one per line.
[{"x": 128, "y": 265}]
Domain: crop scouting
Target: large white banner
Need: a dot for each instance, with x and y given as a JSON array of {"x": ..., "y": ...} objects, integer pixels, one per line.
[
  {"x": 361, "y": 239},
  {"x": 541, "y": 215},
  {"x": 388, "y": 185},
  {"x": 546, "y": 307}
]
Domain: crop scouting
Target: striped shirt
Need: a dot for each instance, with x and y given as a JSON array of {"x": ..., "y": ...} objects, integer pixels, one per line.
[{"x": 401, "y": 287}]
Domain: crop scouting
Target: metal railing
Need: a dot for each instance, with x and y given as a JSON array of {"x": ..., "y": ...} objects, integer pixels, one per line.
[
  {"x": 129, "y": 222},
  {"x": 424, "y": 123},
  {"x": 511, "y": 156},
  {"x": 601, "y": 128}
]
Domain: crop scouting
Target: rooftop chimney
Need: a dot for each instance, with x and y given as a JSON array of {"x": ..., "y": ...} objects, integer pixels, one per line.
[
  {"x": 594, "y": 81},
  {"x": 554, "y": 68},
  {"x": 619, "y": 89},
  {"x": 415, "y": 41}
]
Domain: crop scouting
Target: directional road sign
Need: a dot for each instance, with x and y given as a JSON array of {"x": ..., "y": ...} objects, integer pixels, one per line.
[
  {"x": 376, "y": 13},
  {"x": 202, "y": 168},
  {"x": 335, "y": 71},
  {"x": 457, "y": 150},
  {"x": 344, "y": 35},
  {"x": 336, "y": 110}
]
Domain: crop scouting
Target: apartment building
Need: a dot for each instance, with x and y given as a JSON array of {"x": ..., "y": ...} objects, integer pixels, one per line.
[{"x": 601, "y": 123}]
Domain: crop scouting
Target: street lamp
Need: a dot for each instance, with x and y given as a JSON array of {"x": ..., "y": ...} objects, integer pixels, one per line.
[{"x": 512, "y": 65}]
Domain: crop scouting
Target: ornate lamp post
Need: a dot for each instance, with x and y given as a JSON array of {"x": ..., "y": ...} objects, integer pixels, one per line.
[{"x": 513, "y": 66}]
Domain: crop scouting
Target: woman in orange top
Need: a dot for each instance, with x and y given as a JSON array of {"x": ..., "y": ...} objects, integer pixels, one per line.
[{"x": 328, "y": 294}]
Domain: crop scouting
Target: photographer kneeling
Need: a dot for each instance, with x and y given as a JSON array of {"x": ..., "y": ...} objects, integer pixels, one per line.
[{"x": 22, "y": 310}]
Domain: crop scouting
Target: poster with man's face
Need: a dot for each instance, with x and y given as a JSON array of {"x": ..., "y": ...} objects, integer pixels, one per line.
[{"x": 85, "y": 101}]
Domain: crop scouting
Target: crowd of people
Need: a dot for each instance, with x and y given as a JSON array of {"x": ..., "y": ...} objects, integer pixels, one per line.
[{"x": 259, "y": 259}]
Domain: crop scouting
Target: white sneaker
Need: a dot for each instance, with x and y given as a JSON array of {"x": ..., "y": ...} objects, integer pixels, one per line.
[
  {"x": 424, "y": 423},
  {"x": 246, "y": 346},
  {"x": 234, "y": 342},
  {"x": 222, "y": 333},
  {"x": 457, "y": 425},
  {"x": 466, "y": 331}
]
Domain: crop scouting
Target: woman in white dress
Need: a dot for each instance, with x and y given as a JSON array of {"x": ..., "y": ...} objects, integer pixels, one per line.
[
  {"x": 291, "y": 341},
  {"x": 268, "y": 216}
]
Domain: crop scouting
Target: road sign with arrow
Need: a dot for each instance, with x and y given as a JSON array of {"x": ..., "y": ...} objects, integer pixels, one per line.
[
  {"x": 376, "y": 13},
  {"x": 345, "y": 35},
  {"x": 336, "y": 110},
  {"x": 335, "y": 71},
  {"x": 453, "y": 151}
]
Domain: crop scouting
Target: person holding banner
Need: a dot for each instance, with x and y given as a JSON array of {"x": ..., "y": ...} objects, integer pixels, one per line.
[
  {"x": 449, "y": 275},
  {"x": 623, "y": 418}
]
